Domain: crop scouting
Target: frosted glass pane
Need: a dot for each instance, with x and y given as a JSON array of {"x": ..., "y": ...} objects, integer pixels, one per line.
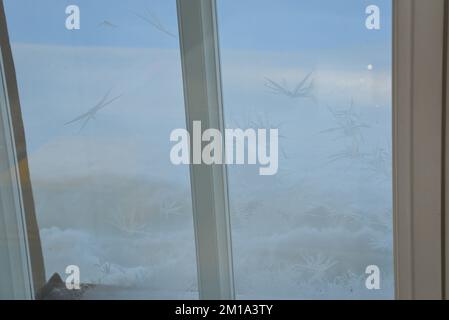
[
  {"x": 320, "y": 72},
  {"x": 99, "y": 103}
]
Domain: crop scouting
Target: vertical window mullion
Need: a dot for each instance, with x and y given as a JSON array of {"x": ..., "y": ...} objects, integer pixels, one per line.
[
  {"x": 203, "y": 102},
  {"x": 13, "y": 266},
  {"x": 418, "y": 109},
  {"x": 20, "y": 245},
  {"x": 15, "y": 275}
]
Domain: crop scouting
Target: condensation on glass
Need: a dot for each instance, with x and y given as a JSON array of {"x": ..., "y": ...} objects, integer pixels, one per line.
[{"x": 321, "y": 73}]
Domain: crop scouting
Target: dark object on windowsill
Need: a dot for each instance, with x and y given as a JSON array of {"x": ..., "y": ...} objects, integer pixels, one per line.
[{"x": 55, "y": 289}]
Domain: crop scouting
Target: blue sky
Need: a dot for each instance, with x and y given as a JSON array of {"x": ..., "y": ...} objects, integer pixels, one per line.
[
  {"x": 295, "y": 24},
  {"x": 321, "y": 31},
  {"x": 255, "y": 24},
  {"x": 43, "y": 22}
]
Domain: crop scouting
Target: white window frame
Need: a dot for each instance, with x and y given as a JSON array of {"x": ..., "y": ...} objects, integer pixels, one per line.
[{"x": 200, "y": 59}]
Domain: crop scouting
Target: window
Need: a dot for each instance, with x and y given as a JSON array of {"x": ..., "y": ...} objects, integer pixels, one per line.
[
  {"x": 313, "y": 70},
  {"x": 352, "y": 211},
  {"x": 98, "y": 104}
]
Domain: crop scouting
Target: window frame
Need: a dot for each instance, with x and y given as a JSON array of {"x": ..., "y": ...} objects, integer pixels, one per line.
[
  {"x": 18, "y": 224},
  {"x": 200, "y": 59},
  {"x": 418, "y": 130},
  {"x": 13, "y": 251},
  {"x": 25, "y": 252}
]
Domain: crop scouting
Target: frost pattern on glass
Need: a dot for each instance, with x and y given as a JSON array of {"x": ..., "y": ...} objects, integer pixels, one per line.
[
  {"x": 313, "y": 70},
  {"x": 99, "y": 104}
]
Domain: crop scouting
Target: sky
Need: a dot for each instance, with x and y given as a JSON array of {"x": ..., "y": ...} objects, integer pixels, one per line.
[
  {"x": 256, "y": 24},
  {"x": 43, "y": 22}
]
